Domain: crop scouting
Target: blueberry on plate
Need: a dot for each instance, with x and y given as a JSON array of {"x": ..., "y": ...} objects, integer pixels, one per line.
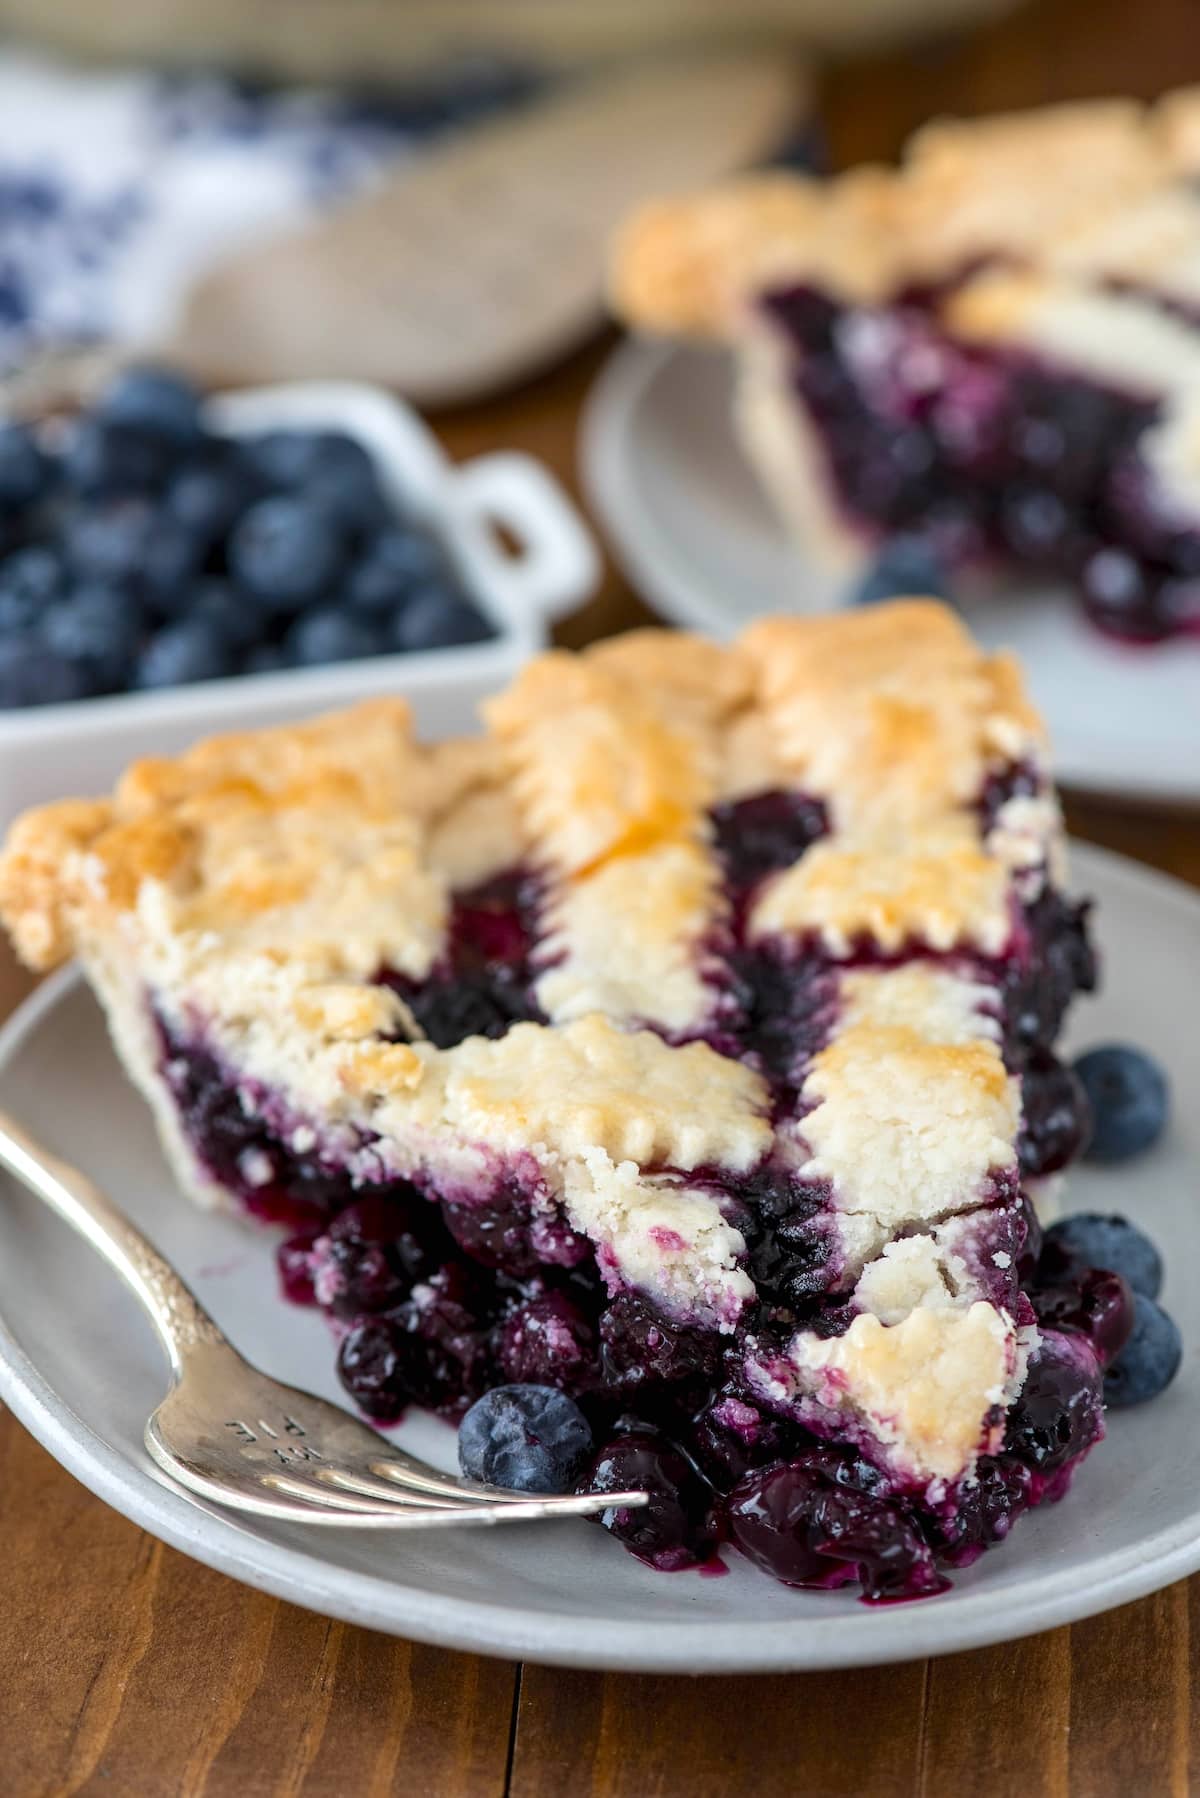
[
  {"x": 155, "y": 401},
  {"x": 30, "y": 580},
  {"x": 191, "y": 649},
  {"x": 1150, "y": 1359},
  {"x": 331, "y": 636},
  {"x": 905, "y": 566},
  {"x": 99, "y": 627},
  {"x": 437, "y": 617},
  {"x": 24, "y": 470},
  {"x": 285, "y": 552},
  {"x": 31, "y": 674},
  {"x": 394, "y": 564},
  {"x": 279, "y": 461},
  {"x": 1092, "y": 1240},
  {"x": 525, "y": 1438},
  {"x": 1127, "y": 1092}
]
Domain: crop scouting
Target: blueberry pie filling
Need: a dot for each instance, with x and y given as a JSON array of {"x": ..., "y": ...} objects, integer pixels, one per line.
[
  {"x": 992, "y": 348},
  {"x": 685, "y": 1043}
]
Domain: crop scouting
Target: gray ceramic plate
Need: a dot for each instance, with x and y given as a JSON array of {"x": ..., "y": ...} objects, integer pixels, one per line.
[
  {"x": 80, "y": 1367},
  {"x": 688, "y": 520}
]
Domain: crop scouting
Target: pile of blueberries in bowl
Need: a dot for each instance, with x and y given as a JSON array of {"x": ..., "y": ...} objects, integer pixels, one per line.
[{"x": 139, "y": 549}]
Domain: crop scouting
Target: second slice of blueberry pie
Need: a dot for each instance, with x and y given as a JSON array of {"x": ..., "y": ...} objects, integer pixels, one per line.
[
  {"x": 685, "y": 1042},
  {"x": 994, "y": 345}
]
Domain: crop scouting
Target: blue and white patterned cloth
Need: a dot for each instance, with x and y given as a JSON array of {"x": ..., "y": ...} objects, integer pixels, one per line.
[{"x": 117, "y": 189}]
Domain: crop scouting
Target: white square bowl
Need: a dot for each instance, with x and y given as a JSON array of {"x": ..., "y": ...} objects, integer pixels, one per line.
[{"x": 48, "y": 752}]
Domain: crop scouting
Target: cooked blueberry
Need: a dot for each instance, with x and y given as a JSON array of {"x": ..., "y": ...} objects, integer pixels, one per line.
[
  {"x": 525, "y": 1438},
  {"x": 642, "y": 1348},
  {"x": 437, "y": 618},
  {"x": 106, "y": 459},
  {"x": 155, "y": 401},
  {"x": 1128, "y": 1095},
  {"x": 1055, "y": 1116},
  {"x": 330, "y": 636},
  {"x": 1059, "y": 1412},
  {"x": 374, "y": 1365},
  {"x": 546, "y": 1341},
  {"x": 192, "y": 649},
  {"x": 676, "y": 1529},
  {"x": 30, "y": 580},
  {"x": 1150, "y": 1359},
  {"x": 293, "y": 1260},
  {"x": 904, "y": 566},
  {"x": 767, "y": 831},
  {"x": 31, "y": 674},
  {"x": 1093, "y": 1301},
  {"x": 1034, "y": 521},
  {"x": 24, "y": 470},
  {"x": 99, "y": 627},
  {"x": 285, "y": 552},
  {"x": 357, "y": 1277},
  {"x": 1114, "y": 585},
  {"x": 804, "y": 1525},
  {"x": 1092, "y": 1240},
  {"x": 395, "y": 563},
  {"x": 108, "y": 541},
  {"x": 239, "y": 624}
]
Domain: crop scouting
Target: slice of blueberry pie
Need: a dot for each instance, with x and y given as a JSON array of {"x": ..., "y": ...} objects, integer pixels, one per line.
[
  {"x": 685, "y": 1042},
  {"x": 995, "y": 345}
]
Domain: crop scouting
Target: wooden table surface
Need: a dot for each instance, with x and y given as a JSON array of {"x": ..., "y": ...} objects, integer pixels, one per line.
[{"x": 127, "y": 1669}]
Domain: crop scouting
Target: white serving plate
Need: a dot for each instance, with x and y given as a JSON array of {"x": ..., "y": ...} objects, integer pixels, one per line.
[
  {"x": 82, "y": 1369},
  {"x": 47, "y": 752},
  {"x": 695, "y": 532}
]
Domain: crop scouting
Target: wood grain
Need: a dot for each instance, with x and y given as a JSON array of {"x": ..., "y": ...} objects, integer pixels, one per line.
[{"x": 126, "y": 1669}]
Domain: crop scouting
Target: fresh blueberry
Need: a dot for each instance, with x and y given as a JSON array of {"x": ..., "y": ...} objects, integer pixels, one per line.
[
  {"x": 438, "y": 618},
  {"x": 525, "y": 1438},
  {"x": 905, "y": 566},
  {"x": 108, "y": 541},
  {"x": 394, "y": 564},
  {"x": 170, "y": 564},
  {"x": 279, "y": 461},
  {"x": 99, "y": 627},
  {"x": 205, "y": 499},
  {"x": 104, "y": 460},
  {"x": 192, "y": 649},
  {"x": 266, "y": 658},
  {"x": 285, "y": 552},
  {"x": 342, "y": 481},
  {"x": 1128, "y": 1095},
  {"x": 239, "y": 623},
  {"x": 331, "y": 636},
  {"x": 154, "y": 401},
  {"x": 31, "y": 674},
  {"x": 24, "y": 470},
  {"x": 1150, "y": 1359},
  {"x": 1091, "y": 1240},
  {"x": 30, "y": 580}
]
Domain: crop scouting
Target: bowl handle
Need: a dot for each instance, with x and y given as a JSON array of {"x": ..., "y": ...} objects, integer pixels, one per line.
[{"x": 557, "y": 565}]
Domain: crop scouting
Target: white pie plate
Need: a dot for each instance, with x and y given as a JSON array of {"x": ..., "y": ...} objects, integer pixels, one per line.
[
  {"x": 81, "y": 1369},
  {"x": 695, "y": 532}
]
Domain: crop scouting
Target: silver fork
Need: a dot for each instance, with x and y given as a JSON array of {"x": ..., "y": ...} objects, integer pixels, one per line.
[{"x": 231, "y": 1434}]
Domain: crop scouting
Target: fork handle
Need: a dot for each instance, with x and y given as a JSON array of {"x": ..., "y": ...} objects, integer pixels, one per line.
[{"x": 176, "y": 1312}]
